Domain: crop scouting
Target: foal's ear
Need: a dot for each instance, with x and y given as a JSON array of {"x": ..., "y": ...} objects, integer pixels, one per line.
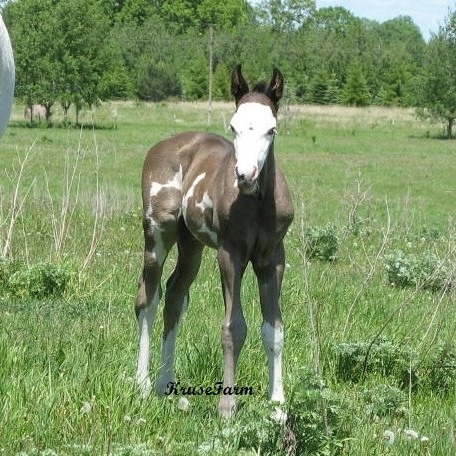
[
  {"x": 239, "y": 86},
  {"x": 275, "y": 89}
]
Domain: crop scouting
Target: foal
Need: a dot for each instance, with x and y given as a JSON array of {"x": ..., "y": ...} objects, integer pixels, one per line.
[{"x": 198, "y": 190}]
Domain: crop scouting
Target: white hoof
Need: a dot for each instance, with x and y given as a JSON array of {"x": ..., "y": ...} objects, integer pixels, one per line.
[
  {"x": 145, "y": 387},
  {"x": 279, "y": 415}
]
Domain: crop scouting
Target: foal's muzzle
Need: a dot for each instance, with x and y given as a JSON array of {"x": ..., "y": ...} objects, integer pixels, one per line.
[{"x": 248, "y": 185}]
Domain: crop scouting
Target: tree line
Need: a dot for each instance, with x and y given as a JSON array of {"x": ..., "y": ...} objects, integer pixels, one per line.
[{"x": 78, "y": 52}]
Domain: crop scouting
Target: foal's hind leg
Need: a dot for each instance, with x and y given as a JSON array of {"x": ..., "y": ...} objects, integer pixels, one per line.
[
  {"x": 159, "y": 234},
  {"x": 176, "y": 300}
]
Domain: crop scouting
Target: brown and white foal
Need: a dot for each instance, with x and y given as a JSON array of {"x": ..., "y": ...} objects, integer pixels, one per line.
[{"x": 200, "y": 189}]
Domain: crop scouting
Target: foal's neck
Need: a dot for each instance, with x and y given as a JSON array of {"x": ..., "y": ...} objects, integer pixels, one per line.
[{"x": 267, "y": 176}]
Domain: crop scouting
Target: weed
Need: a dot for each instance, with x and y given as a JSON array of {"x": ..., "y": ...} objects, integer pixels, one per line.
[
  {"x": 426, "y": 271},
  {"x": 322, "y": 242},
  {"x": 356, "y": 360},
  {"x": 383, "y": 400},
  {"x": 441, "y": 370},
  {"x": 318, "y": 417},
  {"x": 39, "y": 281}
]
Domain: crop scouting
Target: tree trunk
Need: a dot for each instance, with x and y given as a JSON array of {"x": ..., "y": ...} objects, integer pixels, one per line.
[{"x": 450, "y": 128}]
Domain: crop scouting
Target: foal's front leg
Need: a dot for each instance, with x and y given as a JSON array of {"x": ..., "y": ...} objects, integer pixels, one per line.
[
  {"x": 269, "y": 272},
  {"x": 234, "y": 328}
]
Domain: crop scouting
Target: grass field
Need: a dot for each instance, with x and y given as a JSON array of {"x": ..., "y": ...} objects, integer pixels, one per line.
[{"x": 366, "y": 361}]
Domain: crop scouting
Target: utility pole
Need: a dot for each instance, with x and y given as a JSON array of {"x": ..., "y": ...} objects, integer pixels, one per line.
[{"x": 211, "y": 58}]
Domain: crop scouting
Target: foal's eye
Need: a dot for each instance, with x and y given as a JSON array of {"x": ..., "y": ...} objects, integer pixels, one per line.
[
  {"x": 233, "y": 129},
  {"x": 272, "y": 131}
]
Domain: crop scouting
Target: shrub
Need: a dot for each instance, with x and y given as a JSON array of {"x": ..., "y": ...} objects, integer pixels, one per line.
[
  {"x": 425, "y": 271},
  {"x": 355, "y": 360},
  {"x": 383, "y": 400},
  {"x": 252, "y": 430},
  {"x": 322, "y": 243},
  {"x": 318, "y": 417},
  {"x": 40, "y": 281},
  {"x": 7, "y": 269},
  {"x": 441, "y": 370}
]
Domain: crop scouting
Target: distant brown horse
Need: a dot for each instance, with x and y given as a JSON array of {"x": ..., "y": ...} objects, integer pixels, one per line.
[
  {"x": 200, "y": 189},
  {"x": 7, "y": 75}
]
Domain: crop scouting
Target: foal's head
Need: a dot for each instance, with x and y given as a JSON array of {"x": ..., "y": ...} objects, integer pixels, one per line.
[{"x": 254, "y": 125}]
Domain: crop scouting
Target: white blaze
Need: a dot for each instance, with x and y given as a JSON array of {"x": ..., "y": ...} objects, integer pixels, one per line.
[
  {"x": 253, "y": 125},
  {"x": 7, "y": 75}
]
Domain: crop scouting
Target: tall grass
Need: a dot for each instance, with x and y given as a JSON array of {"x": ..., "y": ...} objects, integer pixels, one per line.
[{"x": 71, "y": 198}]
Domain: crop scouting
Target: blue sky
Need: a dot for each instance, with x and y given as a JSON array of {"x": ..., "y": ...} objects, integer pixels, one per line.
[{"x": 427, "y": 14}]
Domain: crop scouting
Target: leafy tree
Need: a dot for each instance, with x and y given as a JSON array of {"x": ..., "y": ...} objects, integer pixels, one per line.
[
  {"x": 284, "y": 16},
  {"x": 226, "y": 15},
  {"x": 400, "y": 59},
  {"x": 32, "y": 31},
  {"x": 61, "y": 50},
  {"x": 82, "y": 31},
  {"x": 437, "y": 84}
]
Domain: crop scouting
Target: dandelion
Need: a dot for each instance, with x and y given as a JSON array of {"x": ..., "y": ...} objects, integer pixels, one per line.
[
  {"x": 183, "y": 404},
  {"x": 389, "y": 437},
  {"x": 140, "y": 421},
  {"x": 411, "y": 434},
  {"x": 86, "y": 408}
]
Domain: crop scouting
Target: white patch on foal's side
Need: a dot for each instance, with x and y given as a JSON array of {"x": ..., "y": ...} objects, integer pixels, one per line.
[
  {"x": 175, "y": 182},
  {"x": 190, "y": 192},
  {"x": 206, "y": 203}
]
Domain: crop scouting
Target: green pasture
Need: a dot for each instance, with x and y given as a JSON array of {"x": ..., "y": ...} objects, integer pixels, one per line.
[{"x": 362, "y": 356}]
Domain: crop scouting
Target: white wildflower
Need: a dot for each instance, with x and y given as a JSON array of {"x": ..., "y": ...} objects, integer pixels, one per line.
[
  {"x": 424, "y": 440},
  {"x": 389, "y": 437},
  {"x": 127, "y": 419},
  {"x": 411, "y": 434},
  {"x": 86, "y": 408},
  {"x": 140, "y": 421},
  {"x": 183, "y": 404}
]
